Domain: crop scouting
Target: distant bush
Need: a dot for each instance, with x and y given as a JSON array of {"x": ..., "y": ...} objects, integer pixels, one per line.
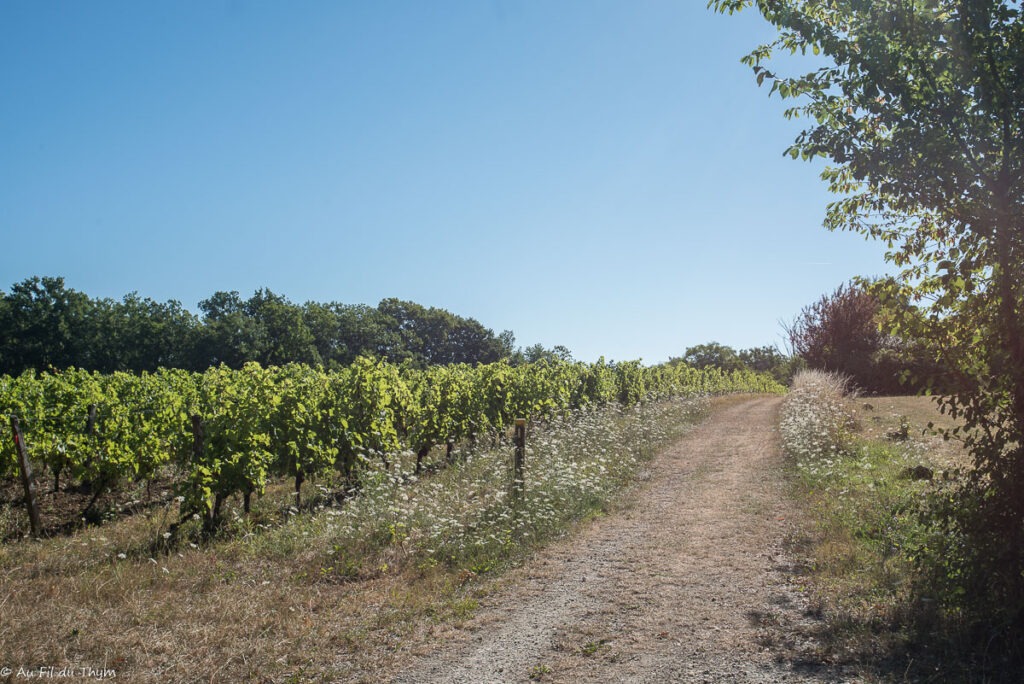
[{"x": 844, "y": 332}]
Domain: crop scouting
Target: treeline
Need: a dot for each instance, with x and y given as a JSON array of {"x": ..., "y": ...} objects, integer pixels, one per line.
[
  {"x": 756, "y": 359},
  {"x": 45, "y": 324}
]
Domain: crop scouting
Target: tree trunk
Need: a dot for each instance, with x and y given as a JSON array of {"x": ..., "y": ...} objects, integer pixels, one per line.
[
  {"x": 213, "y": 518},
  {"x": 1007, "y": 274},
  {"x": 300, "y": 477},
  {"x": 420, "y": 455},
  {"x": 1007, "y": 283}
]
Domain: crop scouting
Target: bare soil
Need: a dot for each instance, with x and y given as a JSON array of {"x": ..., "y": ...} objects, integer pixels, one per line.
[
  {"x": 691, "y": 583},
  {"x": 63, "y": 511}
]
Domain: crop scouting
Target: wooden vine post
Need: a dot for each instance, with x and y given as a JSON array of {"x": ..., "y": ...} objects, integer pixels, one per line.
[
  {"x": 90, "y": 431},
  {"x": 517, "y": 463},
  {"x": 90, "y": 423},
  {"x": 197, "y": 457},
  {"x": 26, "y": 479}
]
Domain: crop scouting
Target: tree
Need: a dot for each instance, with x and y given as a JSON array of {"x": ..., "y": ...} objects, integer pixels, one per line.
[
  {"x": 536, "y": 353},
  {"x": 229, "y": 335},
  {"x": 770, "y": 360},
  {"x": 44, "y": 325},
  {"x": 148, "y": 335},
  {"x": 846, "y": 332},
  {"x": 431, "y": 336},
  {"x": 760, "y": 359},
  {"x": 919, "y": 108},
  {"x": 266, "y": 328},
  {"x": 713, "y": 355},
  {"x": 840, "y": 333},
  {"x": 282, "y": 335},
  {"x": 366, "y": 331},
  {"x": 471, "y": 342},
  {"x": 324, "y": 325}
]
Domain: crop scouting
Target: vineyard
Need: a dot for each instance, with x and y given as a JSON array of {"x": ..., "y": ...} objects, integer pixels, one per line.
[{"x": 226, "y": 433}]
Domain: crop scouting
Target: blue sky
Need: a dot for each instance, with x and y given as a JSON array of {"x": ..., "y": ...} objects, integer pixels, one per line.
[{"x": 601, "y": 175}]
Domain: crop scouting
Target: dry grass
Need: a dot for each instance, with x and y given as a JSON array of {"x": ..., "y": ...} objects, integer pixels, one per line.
[
  {"x": 879, "y": 417},
  {"x": 230, "y": 611},
  {"x": 862, "y": 504},
  {"x": 199, "y": 616},
  {"x": 278, "y": 597}
]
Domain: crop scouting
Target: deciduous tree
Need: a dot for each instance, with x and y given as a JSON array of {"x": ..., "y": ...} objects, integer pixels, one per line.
[
  {"x": 918, "y": 105},
  {"x": 713, "y": 355}
]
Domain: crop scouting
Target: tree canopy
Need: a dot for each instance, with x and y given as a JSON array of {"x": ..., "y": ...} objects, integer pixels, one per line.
[
  {"x": 848, "y": 332},
  {"x": 44, "y": 324},
  {"x": 759, "y": 359}
]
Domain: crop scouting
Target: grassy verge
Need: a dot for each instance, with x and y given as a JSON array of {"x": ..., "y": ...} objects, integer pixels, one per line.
[
  {"x": 333, "y": 592},
  {"x": 865, "y": 469}
]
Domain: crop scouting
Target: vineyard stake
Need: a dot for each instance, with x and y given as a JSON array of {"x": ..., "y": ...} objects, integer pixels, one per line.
[
  {"x": 520, "y": 455},
  {"x": 26, "y": 478},
  {"x": 197, "y": 457},
  {"x": 90, "y": 431},
  {"x": 197, "y": 438},
  {"x": 90, "y": 423}
]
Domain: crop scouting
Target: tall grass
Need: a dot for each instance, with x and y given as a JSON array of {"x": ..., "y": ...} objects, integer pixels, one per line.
[
  {"x": 462, "y": 516},
  {"x": 867, "y": 480},
  {"x": 329, "y": 592},
  {"x": 815, "y": 425}
]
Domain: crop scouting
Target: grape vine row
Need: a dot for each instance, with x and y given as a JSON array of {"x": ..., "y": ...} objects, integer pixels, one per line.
[{"x": 230, "y": 430}]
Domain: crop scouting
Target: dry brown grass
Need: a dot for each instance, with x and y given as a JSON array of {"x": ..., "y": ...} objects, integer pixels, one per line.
[
  {"x": 862, "y": 528},
  {"x": 214, "y": 614},
  {"x": 266, "y": 602},
  {"x": 878, "y": 417}
]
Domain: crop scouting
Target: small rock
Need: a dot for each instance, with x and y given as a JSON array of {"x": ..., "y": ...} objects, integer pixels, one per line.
[{"x": 918, "y": 472}]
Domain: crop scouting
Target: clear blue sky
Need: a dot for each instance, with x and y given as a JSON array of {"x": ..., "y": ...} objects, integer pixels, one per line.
[{"x": 602, "y": 175}]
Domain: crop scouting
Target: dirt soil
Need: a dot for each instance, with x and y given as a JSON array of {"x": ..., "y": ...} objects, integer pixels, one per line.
[
  {"x": 61, "y": 512},
  {"x": 691, "y": 583}
]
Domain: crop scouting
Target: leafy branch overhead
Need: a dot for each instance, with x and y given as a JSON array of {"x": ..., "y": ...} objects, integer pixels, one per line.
[{"x": 919, "y": 109}]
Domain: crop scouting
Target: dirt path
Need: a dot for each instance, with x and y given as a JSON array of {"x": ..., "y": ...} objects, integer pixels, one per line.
[{"x": 688, "y": 585}]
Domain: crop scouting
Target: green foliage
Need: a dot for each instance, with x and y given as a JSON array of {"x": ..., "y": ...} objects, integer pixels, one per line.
[
  {"x": 448, "y": 407},
  {"x": 236, "y": 408},
  {"x": 45, "y": 325},
  {"x": 138, "y": 428},
  {"x": 306, "y": 424},
  {"x": 919, "y": 108},
  {"x": 376, "y": 401},
  {"x": 757, "y": 359},
  {"x": 232, "y": 429},
  {"x": 598, "y": 384},
  {"x": 713, "y": 355},
  {"x": 58, "y": 414}
]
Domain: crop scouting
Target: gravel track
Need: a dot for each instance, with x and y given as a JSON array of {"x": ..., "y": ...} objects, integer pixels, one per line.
[{"x": 689, "y": 584}]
